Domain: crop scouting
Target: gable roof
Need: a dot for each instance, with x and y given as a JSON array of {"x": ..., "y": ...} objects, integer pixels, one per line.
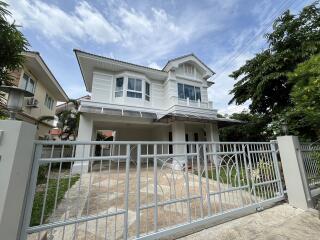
[
  {"x": 192, "y": 55},
  {"x": 88, "y": 62},
  {"x": 38, "y": 67}
]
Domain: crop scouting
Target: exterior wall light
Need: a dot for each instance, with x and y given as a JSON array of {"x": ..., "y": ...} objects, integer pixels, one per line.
[
  {"x": 284, "y": 127},
  {"x": 15, "y": 99}
]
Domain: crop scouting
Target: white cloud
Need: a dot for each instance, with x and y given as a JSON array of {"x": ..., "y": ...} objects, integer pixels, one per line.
[
  {"x": 55, "y": 24},
  {"x": 154, "y": 65},
  {"x": 138, "y": 35},
  {"x": 233, "y": 109}
]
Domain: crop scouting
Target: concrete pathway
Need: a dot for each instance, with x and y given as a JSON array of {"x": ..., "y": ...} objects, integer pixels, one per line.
[
  {"x": 277, "y": 223},
  {"x": 102, "y": 192}
]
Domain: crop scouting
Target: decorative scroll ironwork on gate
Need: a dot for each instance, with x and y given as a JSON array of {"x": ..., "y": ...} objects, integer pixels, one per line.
[{"x": 145, "y": 190}]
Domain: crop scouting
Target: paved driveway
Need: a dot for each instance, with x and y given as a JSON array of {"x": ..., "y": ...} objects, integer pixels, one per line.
[{"x": 280, "y": 222}]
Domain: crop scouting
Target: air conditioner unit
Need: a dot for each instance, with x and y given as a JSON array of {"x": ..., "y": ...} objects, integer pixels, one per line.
[{"x": 32, "y": 102}]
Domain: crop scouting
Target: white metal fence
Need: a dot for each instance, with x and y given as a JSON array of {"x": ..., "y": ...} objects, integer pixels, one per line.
[
  {"x": 311, "y": 159},
  {"x": 145, "y": 190}
]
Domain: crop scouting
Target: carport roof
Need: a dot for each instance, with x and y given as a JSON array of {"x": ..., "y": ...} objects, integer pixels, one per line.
[
  {"x": 222, "y": 122},
  {"x": 119, "y": 112}
]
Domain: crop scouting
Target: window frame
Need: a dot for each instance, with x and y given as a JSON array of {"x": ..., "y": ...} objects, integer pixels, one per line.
[
  {"x": 182, "y": 95},
  {"x": 134, "y": 91},
  {"x": 27, "y": 83},
  {"x": 117, "y": 91},
  {"x": 49, "y": 101},
  {"x": 147, "y": 95}
]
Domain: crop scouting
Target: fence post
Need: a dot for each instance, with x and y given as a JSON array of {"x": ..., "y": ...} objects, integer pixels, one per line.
[
  {"x": 294, "y": 172},
  {"x": 16, "y": 150}
]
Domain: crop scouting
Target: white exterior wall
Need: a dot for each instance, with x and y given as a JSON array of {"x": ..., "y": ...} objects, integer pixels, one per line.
[
  {"x": 157, "y": 93},
  {"x": 163, "y": 94},
  {"x": 102, "y": 86}
]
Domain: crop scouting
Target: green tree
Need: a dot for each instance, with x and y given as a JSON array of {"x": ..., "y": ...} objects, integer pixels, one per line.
[
  {"x": 264, "y": 78},
  {"x": 69, "y": 121},
  {"x": 12, "y": 44},
  {"x": 253, "y": 128},
  {"x": 304, "y": 116}
]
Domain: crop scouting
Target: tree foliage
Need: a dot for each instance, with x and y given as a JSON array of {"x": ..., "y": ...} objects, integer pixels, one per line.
[
  {"x": 304, "y": 116},
  {"x": 12, "y": 44},
  {"x": 253, "y": 128},
  {"x": 264, "y": 78},
  {"x": 69, "y": 121}
]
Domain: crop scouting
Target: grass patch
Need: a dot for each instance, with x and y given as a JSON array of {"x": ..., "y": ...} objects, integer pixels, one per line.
[
  {"x": 228, "y": 178},
  {"x": 51, "y": 195}
]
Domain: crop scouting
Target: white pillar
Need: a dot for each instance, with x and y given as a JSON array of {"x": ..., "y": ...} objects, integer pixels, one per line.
[
  {"x": 178, "y": 135},
  {"x": 84, "y": 134},
  {"x": 294, "y": 173},
  {"x": 16, "y": 157},
  {"x": 212, "y": 132},
  {"x": 212, "y": 135}
]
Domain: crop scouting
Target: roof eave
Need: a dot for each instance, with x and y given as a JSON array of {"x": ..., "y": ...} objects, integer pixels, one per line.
[
  {"x": 44, "y": 66},
  {"x": 130, "y": 66}
]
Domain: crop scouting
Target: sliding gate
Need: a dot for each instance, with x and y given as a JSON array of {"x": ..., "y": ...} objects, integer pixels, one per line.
[{"x": 145, "y": 190}]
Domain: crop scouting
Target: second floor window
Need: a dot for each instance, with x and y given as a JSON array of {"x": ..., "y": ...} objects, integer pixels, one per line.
[
  {"x": 49, "y": 102},
  {"x": 147, "y": 91},
  {"x": 27, "y": 83},
  {"x": 119, "y": 87},
  {"x": 134, "y": 88},
  {"x": 187, "y": 91}
]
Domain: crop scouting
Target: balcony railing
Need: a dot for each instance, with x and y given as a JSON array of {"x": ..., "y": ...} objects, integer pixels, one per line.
[{"x": 192, "y": 103}]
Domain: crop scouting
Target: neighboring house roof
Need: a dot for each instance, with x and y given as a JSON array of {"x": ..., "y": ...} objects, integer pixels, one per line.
[
  {"x": 37, "y": 66},
  {"x": 89, "y": 62},
  {"x": 69, "y": 105}
]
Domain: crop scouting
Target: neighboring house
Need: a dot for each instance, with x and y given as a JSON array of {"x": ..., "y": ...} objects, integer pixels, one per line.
[
  {"x": 57, "y": 133},
  {"x": 145, "y": 104},
  {"x": 36, "y": 77},
  {"x": 70, "y": 105}
]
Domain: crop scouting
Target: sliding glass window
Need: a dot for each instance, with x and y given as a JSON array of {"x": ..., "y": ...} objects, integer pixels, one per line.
[{"x": 187, "y": 91}]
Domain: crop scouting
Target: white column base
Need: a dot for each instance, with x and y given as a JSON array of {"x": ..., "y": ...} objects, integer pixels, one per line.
[{"x": 79, "y": 167}]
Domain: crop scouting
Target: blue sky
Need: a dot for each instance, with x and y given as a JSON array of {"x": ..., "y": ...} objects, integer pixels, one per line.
[{"x": 222, "y": 33}]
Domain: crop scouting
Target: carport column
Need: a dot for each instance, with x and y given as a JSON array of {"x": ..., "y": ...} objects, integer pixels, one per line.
[
  {"x": 212, "y": 132},
  {"x": 294, "y": 172},
  {"x": 84, "y": 134},
  {"x": 212, "y": 135},
  {"x": 178, "y": 135}
]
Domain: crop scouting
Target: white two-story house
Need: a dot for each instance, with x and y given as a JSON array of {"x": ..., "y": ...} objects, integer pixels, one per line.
[{"x": 144, "y": 104}]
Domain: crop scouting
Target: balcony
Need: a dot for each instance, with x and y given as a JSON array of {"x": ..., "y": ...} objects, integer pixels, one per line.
[{"x": 192, "y": 103}]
